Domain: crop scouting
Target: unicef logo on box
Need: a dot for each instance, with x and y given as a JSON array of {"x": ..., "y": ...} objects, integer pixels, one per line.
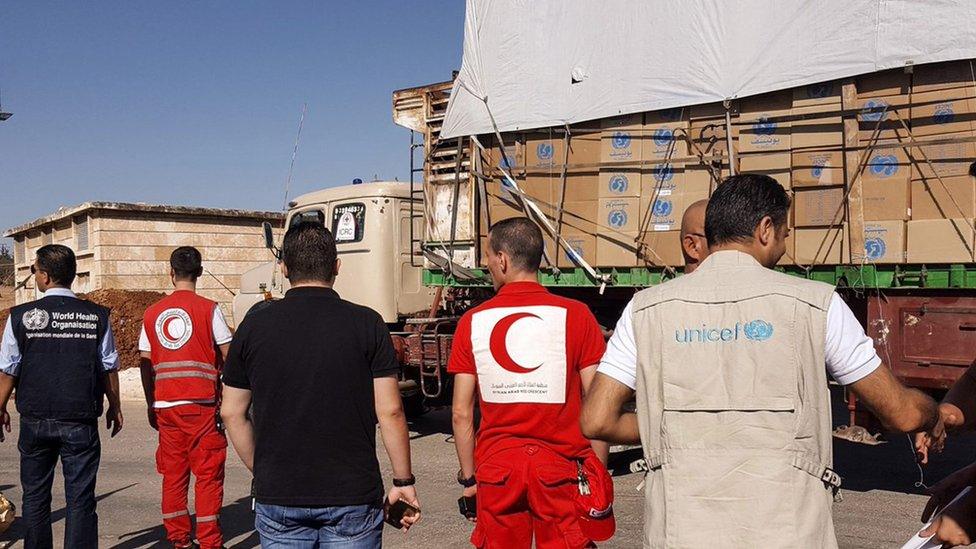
[
  {"x": 621, "y": 140},
  {"x": 944, "y": 114},
  {"x": 618, "y": 184},
  {"x": 764, "y": 126},
  {"x": 818, "y": 167},
  {"x": 663, "y": 207},
  {"x": 663, "y": 174},
  {"x": 758, "y": 330},
  {"x": 544, "y": 151},
  {"x": 869, "y": 114},
  {"x": 883, "y": 165},
  {"x": 617, "y": 218},
  {"x": 663, "y": 137},
  {"x": 875, "y": 248}
]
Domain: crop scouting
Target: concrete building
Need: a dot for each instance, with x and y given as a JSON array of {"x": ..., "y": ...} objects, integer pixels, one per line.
[{"x": 127, "y": 246}]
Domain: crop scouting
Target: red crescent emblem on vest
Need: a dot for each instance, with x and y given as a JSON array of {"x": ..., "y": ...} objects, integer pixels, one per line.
[
  {"x": 166, "y": 333},
  {"x": 499, "y": 351}
]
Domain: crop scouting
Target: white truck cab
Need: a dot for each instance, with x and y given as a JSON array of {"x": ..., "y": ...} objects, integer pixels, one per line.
[{"x": 371, "y": 223}]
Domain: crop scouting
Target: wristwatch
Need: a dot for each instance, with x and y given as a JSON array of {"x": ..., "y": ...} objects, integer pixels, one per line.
[
  {"x": 404, "y": 482},
  {"x": 466, "y": 482}
]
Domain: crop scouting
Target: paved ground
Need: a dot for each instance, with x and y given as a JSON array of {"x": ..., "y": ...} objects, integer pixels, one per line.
[{"x": 880, "y": 506}]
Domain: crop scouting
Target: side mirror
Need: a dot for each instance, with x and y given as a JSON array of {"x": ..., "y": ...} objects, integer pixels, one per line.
[{"x": 269, "y": 239}]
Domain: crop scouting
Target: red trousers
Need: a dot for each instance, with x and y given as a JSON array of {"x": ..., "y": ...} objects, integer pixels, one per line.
[
  {"x": 190, "y": 442},
  {"x": 524, "y": 492}
]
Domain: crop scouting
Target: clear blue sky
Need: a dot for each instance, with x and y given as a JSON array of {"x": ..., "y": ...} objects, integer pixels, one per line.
[{"x": 197, "y": 103}]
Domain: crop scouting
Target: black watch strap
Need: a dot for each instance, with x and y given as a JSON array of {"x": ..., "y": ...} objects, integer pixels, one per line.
[
  {"x": 404, "y": 482},
  {"x": 466, "y": 482}
]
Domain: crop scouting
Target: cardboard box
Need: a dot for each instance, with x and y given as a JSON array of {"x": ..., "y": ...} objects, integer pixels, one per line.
[
  {"x": 579, "y": 187},
  {"x": 883, "y": 83},
  {"x": 886, "y": 200},
  {"x": 931, "y": 201},
  {"x": 663, "y": 179},
  {"x": 621, "y": 145},
  {"x": 539, "y": 188},
  {"x": 873, "y": 111},
  {"x": 817, "y": 95},
  {"x": 948, "y": 160},
  {"x": 584, "y": 244},
  {"x": 764, "y": 122},
  {"x": 619, "y": 215},
  {"x": 940, "y": 241},
  {"x": 634, "y": 122},
  {"x": 887, "y": 165},
  {"x": 709, "y": 137},
  {"x": 620, "y": 183},
  {"x": 817, "y": 168},
  {"x": 789, "y": 258},
  {"x": 942, "y": 112},
  {"x": 580, "y": 217},
  {"x": 884, "y": 242},
  {"x": 544, "y": 151},
  {"x": 616, "y": 249},
  {"x": 700, "y": 177},
  {"x": 818, "y": 207},
  {"x": 942, "y": 76},
  {"x": 777, "y": 165},
  {"x": 667, "y": 118},
  {"x": 814, "y": 128},
  {"x": 712, "y": 111},
  {"x": 584, "y": 151},
  {"x": 514, "y": 154},
  {"x": 661, "y": 248},
  {"x": 823, "y": 246},
  {"x": 664, "y": 212}
]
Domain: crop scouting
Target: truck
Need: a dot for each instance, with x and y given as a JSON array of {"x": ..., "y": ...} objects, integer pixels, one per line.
[{"x": 876, "y": 152}]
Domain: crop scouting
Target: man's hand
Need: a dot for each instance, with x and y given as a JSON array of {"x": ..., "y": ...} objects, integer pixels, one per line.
[
  {"x": 956, "y": 525},
  {"x": 470, "y": 492},
  {"x": 113, "y": 419},
  {"x": 408, "y": 494},
  {"x": 4, "y": 423},
  {"x": 932, "y": 440},
  {"x": 151, "y": 415},
  {"x": 947, "y": 489}
]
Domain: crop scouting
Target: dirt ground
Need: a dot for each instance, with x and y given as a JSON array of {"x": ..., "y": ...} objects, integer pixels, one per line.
[{"x": 6, "y": 299}]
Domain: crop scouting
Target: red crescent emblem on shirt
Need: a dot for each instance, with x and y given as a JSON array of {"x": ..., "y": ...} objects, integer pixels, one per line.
[{"x": 497, "y": 343}]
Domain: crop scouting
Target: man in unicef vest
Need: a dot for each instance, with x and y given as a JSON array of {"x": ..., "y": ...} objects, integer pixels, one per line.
[
  {"x": 528, "y": 355},
  {"x": 180, "y": 337},
  {"x": 733, "y": 410},
  {"x": 60, "y": 354}
]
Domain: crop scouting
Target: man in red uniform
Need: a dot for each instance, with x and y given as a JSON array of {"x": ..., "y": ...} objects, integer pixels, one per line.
[
  {"x": 529, "y": 355},
  {"x": 180, "y": 337}
]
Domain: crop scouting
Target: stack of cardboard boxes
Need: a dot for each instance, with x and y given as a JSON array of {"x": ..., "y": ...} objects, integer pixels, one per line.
[{"x": 630, "y": 178}]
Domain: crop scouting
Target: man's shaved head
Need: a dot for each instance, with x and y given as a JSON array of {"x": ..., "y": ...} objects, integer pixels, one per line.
[{"x": 693, "y": 244}]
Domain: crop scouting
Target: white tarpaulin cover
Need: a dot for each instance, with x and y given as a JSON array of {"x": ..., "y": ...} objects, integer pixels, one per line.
[{"x": 626, "y": 56}]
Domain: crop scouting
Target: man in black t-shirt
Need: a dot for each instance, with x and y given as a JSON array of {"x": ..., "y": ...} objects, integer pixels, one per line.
[{"x": 320, "y": 372}]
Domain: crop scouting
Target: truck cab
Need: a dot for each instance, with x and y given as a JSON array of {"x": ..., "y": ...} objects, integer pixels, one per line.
[{"x": 373, "y": 224}]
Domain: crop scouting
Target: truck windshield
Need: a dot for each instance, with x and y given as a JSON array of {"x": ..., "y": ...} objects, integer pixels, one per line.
[{"x": 318, "y": 216}]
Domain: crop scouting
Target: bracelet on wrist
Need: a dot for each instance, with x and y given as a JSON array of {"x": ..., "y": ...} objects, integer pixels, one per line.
[
  {"x": 466, "y": 482},
  {"x": 404, "y": 482}
]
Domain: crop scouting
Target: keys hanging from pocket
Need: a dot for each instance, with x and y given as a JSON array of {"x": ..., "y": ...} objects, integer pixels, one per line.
[{"x": 583, "y": 484}]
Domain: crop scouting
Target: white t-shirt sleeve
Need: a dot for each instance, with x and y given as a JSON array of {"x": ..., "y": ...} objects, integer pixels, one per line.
[
  {"x": 850, "y": 353},
  {"x": 221, "y": 333},
  {"x": 620, "y": 360},
  {"x": 144, "y": 346}
]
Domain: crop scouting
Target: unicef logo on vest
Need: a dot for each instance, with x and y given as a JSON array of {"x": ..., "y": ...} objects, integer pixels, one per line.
[
  {"x": 758, "y": 330},
  {"x": 944, "y": 114},
  {"x": 173, "y": 328},
  {"x": 874, "y": 248},
  {"x": 663, "y": 207},
  {"x": 620, "y": 140},
  {"x": 544, "y": 151},
  {"x": 617, "y": 218},
  {"x": 618, "y": 184},
  {"x": 663, "y": 137},
  {"x": 872, "y": 110},
  {"x": 35, "y": 319},
  {"x": 884, "y": 165},
  {"x": 763, "y": 126}
]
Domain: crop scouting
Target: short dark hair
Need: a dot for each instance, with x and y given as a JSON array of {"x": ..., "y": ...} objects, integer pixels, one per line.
[
  {"x": 309, "y": 253},
  {"x": 58, "y": 262},
  {"x": 186, "y": 263},
  {"x": 521, "y": 239},
  {"x": 740, "y": 203},
  {"x": 972, "y": 169}
]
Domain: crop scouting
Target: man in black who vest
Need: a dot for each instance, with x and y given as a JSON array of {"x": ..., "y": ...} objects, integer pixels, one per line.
[{"x": 59, "y": 352}]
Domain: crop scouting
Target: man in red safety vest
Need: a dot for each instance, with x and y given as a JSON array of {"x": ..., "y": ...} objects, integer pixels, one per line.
[{"x": 180, "y": 337}]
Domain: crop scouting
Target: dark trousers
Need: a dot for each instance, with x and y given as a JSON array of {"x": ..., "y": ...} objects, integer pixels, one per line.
[{"x": 76, "y": 442}]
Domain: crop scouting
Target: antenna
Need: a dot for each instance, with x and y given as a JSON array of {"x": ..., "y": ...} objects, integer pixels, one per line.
[
  {"x": 294, "y": 153},
  {"x": 4, "y": 116}
]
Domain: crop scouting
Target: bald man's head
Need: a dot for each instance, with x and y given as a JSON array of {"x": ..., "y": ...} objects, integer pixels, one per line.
[{"x": 693, "y": 244}]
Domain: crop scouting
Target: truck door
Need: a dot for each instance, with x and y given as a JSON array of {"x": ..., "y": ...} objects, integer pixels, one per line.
[{"x": 364, "y": 234}]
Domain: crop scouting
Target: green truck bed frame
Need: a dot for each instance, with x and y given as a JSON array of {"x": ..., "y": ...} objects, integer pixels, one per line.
[{"x": 941, "y": 276}]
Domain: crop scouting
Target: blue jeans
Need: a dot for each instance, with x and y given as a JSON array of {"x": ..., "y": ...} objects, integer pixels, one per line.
[
  {"x": 349, "y": 526},
  {"x": 41, "y": 442}
]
